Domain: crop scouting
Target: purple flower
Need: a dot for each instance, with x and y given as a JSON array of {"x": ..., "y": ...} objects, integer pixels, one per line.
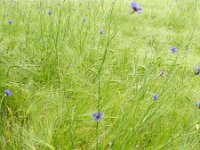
[
  {"x": 197, "y": 104},
  {"x": 10, "y": 21},
  {"x": 197, "y": 71},
  {"x": 8, "y": 93},
  {"x": 135, "y": 7},
  {"x": 49, "y": 13},
  {"x": 97, "y": 116},
  {"x": 155, "y": 97},
  {"x": 173, "y": 49}
]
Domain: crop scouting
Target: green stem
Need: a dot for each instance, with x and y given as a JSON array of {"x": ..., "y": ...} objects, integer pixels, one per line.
[
  {"x": 2, "y": 115},
  {"x": 109, "y": 39},
  {"x": 97, "y": 136}
]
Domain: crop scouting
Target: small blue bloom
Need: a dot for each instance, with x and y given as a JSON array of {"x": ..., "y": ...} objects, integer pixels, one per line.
[
  {"x": 173, "y": 49},
  {"x": 10, "y": 21},
  {"x": 197, "y": 104},
  {"x": 8, "y": 93},
  {"x": 197, "y": 71},
  {"x": 97, "y": 116},
  {"x": 49, "y": 13},
  {"x": 135, "y": 7},
  {"x": 155, "y": 97}
]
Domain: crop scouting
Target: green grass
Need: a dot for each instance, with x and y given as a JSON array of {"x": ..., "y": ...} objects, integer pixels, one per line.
[{"x": 60, "y": 70}]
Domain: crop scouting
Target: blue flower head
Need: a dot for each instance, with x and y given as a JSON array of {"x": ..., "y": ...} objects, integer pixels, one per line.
[
  {"x": 49, "y": 13},
  {"x": 173, "y": 49},
  {"x": 155, "y": 97},
  {"x": 8, "y": 93},
  {"x": 97, "y": 116},
  {"x": 135, "y": 7},
  {"x": 10, "y": 21},
  {"x": 197, "y": 71},
  {"x": 197, "y": 104}
]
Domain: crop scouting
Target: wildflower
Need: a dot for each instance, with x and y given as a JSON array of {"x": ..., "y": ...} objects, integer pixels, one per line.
[
  {"x": 162, "y": 73},
  {"x": 8, "y": 93},
  {"x": 197, "y": 104},
  {"x": 10, "y": 21},
  {"x": 197, "y": 71},
  {"x": 135, "y": 7},
  {"x": 155, "y": 97},
  {"x": 101, "y": 32},
  {"x": 49, "y": 13},
  {"x": 173, "y": 49},
  {"x": 97, "y": 116},
  {"x": 84, "y": 19}
]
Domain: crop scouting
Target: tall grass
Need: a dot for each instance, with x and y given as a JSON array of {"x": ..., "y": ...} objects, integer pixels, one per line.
[{"x": 65, "y": 60}]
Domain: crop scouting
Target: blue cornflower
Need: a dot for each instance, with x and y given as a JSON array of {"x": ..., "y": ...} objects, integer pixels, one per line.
[
  {"x": 8, "y": 93},
  {"x": 197, "y": 71},
  {"x": 97, "y": 116},
  {"x": 49, "y": 13},
  {"x": 197, "y": 104},
  {"x": 173, "y": 49},
  {"x": 135, "y": 7},
  {"x": 10, "y": 21},
  {"x": 155, "y": 97}
]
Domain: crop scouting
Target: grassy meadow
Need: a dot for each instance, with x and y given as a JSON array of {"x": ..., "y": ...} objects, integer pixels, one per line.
[{"x": 63, "y": 61}]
